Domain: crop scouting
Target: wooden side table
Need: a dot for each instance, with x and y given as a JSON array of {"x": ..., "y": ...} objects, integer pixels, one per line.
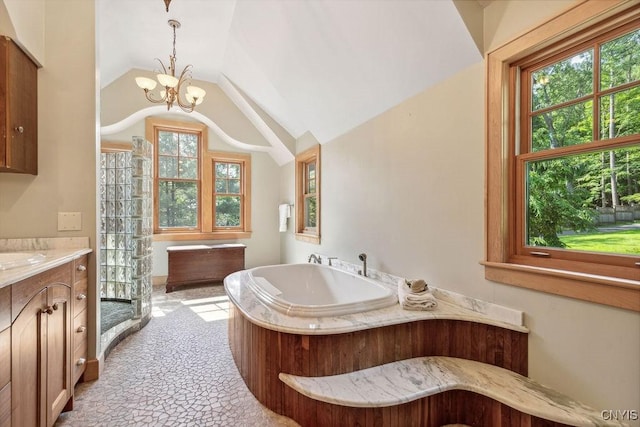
[{"x": 203, "y": 263}]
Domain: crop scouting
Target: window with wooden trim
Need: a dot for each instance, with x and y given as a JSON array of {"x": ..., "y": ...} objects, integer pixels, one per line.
[
  {"x": 308, "y": 195},
  {"x": 198, "y": 194},
  {"x": 563, "y": 104},
  {"x": 229, "y": 191}
]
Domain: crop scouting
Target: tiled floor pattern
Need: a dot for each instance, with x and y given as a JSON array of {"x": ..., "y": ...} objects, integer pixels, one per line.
[{"x": 176, "y": 371}]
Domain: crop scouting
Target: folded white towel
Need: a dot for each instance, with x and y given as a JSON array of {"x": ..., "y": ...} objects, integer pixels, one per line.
[
  {"x": 284, "y": 212},
  {"x": 415, "y": 301}
]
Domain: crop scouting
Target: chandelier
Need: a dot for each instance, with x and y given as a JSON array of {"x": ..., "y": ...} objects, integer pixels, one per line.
[{"x": 172, "y": 84}]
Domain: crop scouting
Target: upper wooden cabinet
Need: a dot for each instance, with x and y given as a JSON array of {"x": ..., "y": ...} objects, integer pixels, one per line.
[{"x": 18, "y": 110}]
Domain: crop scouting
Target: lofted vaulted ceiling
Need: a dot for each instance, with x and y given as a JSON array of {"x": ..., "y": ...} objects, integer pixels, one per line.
[{"x": 323, "y": 66}]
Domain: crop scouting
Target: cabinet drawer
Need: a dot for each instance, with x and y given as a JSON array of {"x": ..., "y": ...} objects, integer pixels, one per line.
[
  {"x": 5, "y": 406},
  {"x": 80, "y": 329},
  {"x": 80, "y": 267},
  {"x": 80, "y": 295},
  {"x": 79, "y": 360}
]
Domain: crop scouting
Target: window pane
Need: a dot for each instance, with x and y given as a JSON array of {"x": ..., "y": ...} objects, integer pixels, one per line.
[
  {"x": 188, "y": 168},
  {"x": 311, "y": 186},
  {"x": 221, "y": 170},
  {"x": 178, "y": 204},
  {"x": 311, "y": 171},
  {"x": 310, "y": 212},
  {"x": 563, "y": 81},
  {"x": 228, "y": 211},
  {"x": 221, "y": 186},
  {"x": 188, "y": 145},
  {"x": 167, "y": 167},
  {"x": 234, "y": 186},
  {"x": 585, "y": 202},
  {"x": 620, "y": 60},
  {"x": 234, "y": 170},
  {"x": 167, "y": 143},
  {"x": 562, "y": 127},
  {"x": 620, "y": 113}
]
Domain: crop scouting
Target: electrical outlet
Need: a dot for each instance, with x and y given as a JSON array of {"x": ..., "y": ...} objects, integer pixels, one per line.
[{"x": 69, "y": 221}]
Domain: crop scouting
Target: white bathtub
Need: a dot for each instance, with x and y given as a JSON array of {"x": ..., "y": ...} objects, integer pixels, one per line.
[{"x": 313, "y": 290}]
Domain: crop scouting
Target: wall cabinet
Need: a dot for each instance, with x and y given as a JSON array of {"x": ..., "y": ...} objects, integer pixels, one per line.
[
  {"x": 48, "y": 344},
  {"x": 18, "y": 110}
]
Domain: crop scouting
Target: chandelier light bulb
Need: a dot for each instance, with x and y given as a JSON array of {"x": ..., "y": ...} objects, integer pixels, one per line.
[
  {"x": 168, "y": 81},
  {"x": 146, "y": 83},
  {"x": 196, "y": 92}
]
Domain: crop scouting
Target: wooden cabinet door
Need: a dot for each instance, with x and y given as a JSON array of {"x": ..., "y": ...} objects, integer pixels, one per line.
[
  {"x": 41, "y": 358},
  {"x": 58, "y": 365},
  {"x": 28, "y": 335},
  {"x": 19, "y": 110}
]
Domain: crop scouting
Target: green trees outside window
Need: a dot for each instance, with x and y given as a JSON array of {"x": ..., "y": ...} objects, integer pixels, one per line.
[
  {"x": 576, "y": 104},
  {"x": 228, "y": 194},
  {"x": 177, "y": 179}
]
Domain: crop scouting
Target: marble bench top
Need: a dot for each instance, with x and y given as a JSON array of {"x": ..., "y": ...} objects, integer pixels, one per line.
[{"x": 408, "y": 380}]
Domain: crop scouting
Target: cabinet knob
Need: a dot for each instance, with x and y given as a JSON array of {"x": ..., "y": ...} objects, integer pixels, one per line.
[
  {"x": 80, "y": 297},
  {"x": 54, "y": 306},
  {"x": 81, "y": 329},
  {"x": 19, "y": 129},
  {"x": 82, "y": 268},
  {"x": 81, "y": 361},
  {"x": 47, "y": 310}
]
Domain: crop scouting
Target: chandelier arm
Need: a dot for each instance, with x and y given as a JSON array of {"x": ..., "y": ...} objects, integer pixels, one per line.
[
  {"x": 149, "y": 95},
  {"x": 164, "y": 69}
]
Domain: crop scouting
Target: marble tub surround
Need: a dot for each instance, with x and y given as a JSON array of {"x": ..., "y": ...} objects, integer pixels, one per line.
[
  {"x": 56, "y": 251},
  {"x": 448, "y": 308},
  {"x": 495, "y": 311},
  {"x": 407, "y": 380}
]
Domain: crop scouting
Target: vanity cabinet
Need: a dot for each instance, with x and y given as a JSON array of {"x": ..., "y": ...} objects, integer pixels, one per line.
[
  {"x": 41, "y": 347},
  {"x": 18, "y": 110}
]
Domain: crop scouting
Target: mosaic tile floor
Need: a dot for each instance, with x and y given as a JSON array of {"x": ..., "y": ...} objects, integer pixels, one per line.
[{"x": 176, "y": 371}]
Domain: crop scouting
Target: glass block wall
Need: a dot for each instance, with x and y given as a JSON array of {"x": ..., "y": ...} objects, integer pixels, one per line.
[
  {"x": 115, "y": 225},
  {"x": 126, "y": 226},
  {"x": 142, "y": 226}
]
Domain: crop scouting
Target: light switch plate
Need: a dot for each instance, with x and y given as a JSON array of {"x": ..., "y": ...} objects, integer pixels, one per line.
[{"x": 69, "y": 221}]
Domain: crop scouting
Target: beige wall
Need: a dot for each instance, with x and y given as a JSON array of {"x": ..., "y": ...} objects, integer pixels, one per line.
[
  {"x": 66, "y": 182},
  {"x": 66, "y": 133},
  {"x": 407, "y": 188}
]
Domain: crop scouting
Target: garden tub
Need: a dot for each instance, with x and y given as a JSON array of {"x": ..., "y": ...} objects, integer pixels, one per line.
[{"x": 314, "y": 290}]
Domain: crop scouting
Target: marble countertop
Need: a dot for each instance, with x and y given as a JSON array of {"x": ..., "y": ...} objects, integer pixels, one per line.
[
  {"x": 411, "y": 379},
  {"x": 57, "y": 251},
  {"x": 450, "y": 306}
]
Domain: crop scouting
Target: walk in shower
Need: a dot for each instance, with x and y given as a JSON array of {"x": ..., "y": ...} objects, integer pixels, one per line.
[{"x": 126, "y": 229}]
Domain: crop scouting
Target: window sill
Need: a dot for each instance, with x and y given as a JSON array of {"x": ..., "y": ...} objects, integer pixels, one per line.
[
  {"x": 220, "y": 235},
  {"x": 309, "y": 238},
  {"x": 606, "y": 290}
]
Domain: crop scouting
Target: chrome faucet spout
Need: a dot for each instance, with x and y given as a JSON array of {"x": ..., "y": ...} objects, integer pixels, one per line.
[
  {"x": 363, "y": 257},
  {"x": 315, "y": 258}
]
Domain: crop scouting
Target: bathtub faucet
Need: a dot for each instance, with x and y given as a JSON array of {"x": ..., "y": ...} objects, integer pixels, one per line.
[
  {"x": 315, "y": 258},
  {"x": 363, "y": 258}
]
